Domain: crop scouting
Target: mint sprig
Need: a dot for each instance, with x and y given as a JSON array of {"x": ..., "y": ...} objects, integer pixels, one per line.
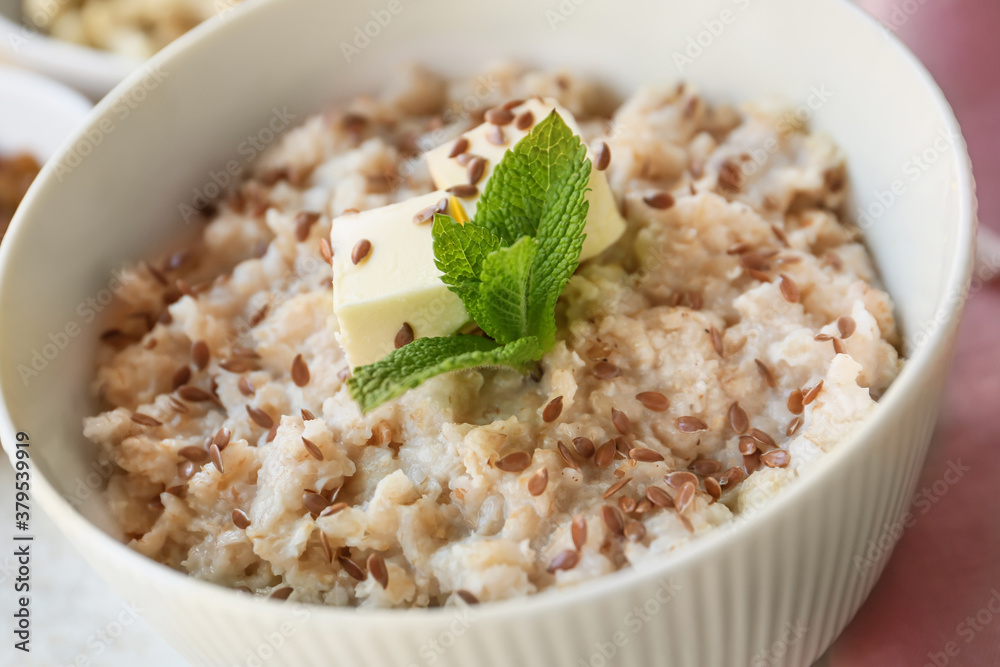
[{"x": 509, "y": 264}]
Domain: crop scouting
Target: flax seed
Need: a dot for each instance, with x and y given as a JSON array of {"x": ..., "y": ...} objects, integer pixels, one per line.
[
  {"x": 200, "y": 354},
  {"x": 838, "y": 346},
  {"x": 567, "y": 456},
  {"x": 762, "y": 438},
  {"x": 495, "y": 136},
  {"x": 685, "y": 495},
  {"x": 186, "y": 469},
  {"x": 777, "y": 458},
  {"x": 713, "y": 488},
  {"x": 716, "y": 341},
  {"x": 351, "y": 568},
  {"x": 304, "y": 222},
  {"x": 467, "y": 597},
  {"x": 732, "y": 477},
  {"x": 616, "y": 487},
  {"x": 653, "y": 400},
  {"x": 240, "y": 519},
  {"x": 552, "y": 410},
  {"x": 789, "y": 290},
  {"x": 659, "y": 200},
  {"x": 538, "y": 482},
  {"x": 620, "y": 421},
  {"x": 812, "y": 394},
  {"x": 145, "y": 420},
  {"x": 846, "y": 326},
  {"x": 612, "y": 519},
  {"x": 314, "y": 502},
  {"x": 215, "y": 454},
  {"x": 605, "y": 454},
  {"x": 476, "y": 168},
  {"x": 222, "y": 438},
  {"x": 362, "y": 249},
  {"x": 793, "y": 426},
  {"x": 599, "y": 351},
  {"x": 565, "y": 560},
  {"x": 246, "y": 387},
  {"x": 325, "y": 250},
  {"x": 747, "y": 445},
  {"x": 307, "y": 415},
  {"x": 578, "y": 529},
  {"x": 194, "y": 453},
  {"x": 281, "y": 593},
  {"x": 635, "y": 531},
  {"x": 461, "y": 145},
  {"x": 259, "y": 417},
  {"x": 584, "y": 447},
  {"x": 235, "y": 365},
  {"x": 524, "y": 121},
  {"x": 690, "y": 424},
  {"x": 193, "y": 394},
  {"x": 605, "y": 370},
  {"x": 499, "y": 116},
  {"x": 679, "y": 478},
  {"x": 659, "y": 497},
  {"x": 463, "y": 191},
  {"x": 795, "y": 402},
  {"x": 602, "y": 157},
  {"x": 738, "y": 420},
  {"x": 644, "y": 455},
  {"x": 765, "y": 373},
  {"x": 514, "y": 462},
  {"x": 705, "y": 467},
  {"x": 312, "y": 448},
  {"x": 376, "y": 568}
]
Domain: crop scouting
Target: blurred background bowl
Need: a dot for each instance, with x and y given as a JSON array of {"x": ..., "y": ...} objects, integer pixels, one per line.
[
  {"x": 36, "y": 114},
  {"x": 91, "y": 71}
]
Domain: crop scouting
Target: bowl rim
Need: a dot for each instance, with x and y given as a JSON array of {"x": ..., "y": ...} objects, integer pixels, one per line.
[{"x": 919, "y": 364}]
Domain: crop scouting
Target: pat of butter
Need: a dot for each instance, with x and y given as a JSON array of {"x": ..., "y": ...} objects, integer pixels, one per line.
[
  {"x": 396, "y": 282},
  {"x": 604, "y": 223}
]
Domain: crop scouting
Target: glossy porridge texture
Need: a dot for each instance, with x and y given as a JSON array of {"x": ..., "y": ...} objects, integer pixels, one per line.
[{"x": 740, "y": 287}]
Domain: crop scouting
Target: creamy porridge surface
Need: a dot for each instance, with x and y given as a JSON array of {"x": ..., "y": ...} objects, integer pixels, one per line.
[{"x": 701, "y": 347}]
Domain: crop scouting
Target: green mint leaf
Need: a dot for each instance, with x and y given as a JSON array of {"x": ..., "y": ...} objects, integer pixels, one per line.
[
  {"x": 507, "y": 281},
  {"x": 411, "y": 365},
  {"x": 459, "y": 253},
  {"x": 529, "y": 187},
  {"x": 539, "y": 190}
]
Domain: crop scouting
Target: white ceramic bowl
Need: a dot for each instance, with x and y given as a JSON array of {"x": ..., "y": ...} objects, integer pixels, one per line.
[
  {"x": 773, "y": 589},
  {"x": 91, "y": 71}
]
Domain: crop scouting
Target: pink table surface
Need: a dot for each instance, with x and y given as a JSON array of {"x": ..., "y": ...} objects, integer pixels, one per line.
[{"x": 938, "y": 602}]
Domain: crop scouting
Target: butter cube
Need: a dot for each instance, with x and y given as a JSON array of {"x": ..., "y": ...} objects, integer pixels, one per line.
[
  {"x": 604, "y": 223},
  {"x": 395, "y": 281}
]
